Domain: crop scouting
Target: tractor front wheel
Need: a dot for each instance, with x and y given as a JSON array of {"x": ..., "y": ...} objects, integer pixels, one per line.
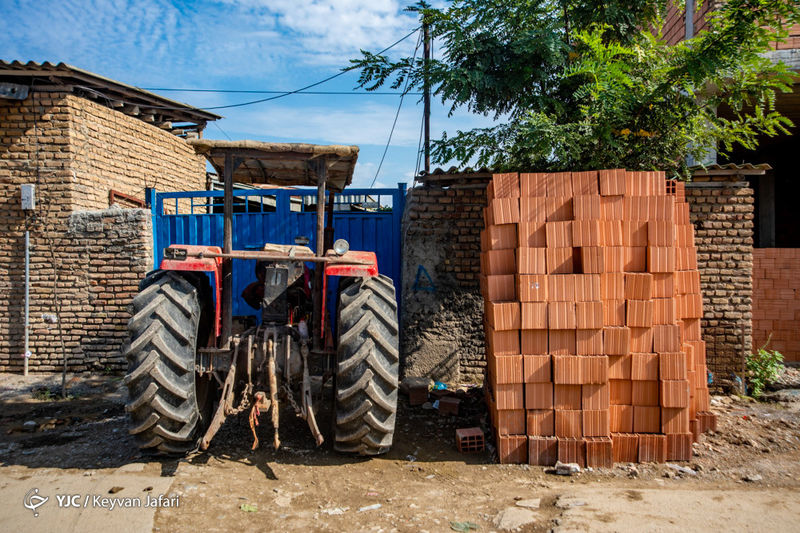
[
  {"x": 367, "y": 367},
  {"x": 168, "y": 406}
]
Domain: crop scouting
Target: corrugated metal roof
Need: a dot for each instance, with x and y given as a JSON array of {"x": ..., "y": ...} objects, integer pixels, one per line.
[
  {"x": 730, "y": 169},
  {"x": 131, "y": 100}
]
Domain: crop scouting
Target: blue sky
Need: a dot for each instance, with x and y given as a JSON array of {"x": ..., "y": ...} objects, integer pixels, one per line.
[{"x": 245, "y": 45}]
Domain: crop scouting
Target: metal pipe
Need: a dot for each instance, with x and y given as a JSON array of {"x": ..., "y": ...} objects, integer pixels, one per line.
[
  {"x": 227, "y": 247},
  {"x": 27, "y": 353},
  {"x": 689, "y": 20},
  {"x": 319, "y": 271},
  {"x": 426, "y": 89}
]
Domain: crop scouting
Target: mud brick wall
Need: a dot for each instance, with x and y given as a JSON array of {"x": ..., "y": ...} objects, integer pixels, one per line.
[
  {"x": 75, "y": 151},
  {"x": 776, "y": 300},
  {"x": 443, "y": 328},
  {"x": 721, "y": 209},
  {"x": 115, "y": 151}
]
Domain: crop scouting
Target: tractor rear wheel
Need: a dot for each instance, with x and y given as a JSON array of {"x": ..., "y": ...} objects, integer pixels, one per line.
[
  {"x": 368, "y": 360},
  {"x": 168, "y": 406}
]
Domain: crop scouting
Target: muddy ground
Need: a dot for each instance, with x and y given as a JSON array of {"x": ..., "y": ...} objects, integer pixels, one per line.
[{"x": 745, "y": 476}]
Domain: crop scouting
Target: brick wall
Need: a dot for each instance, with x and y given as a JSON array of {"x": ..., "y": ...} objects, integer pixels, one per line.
[
  {"x": 674, "y": 29},
  {"x": 115, "y": 151},
  {"x": 75, "y": 151},
  {"x": 442, "y": 328},
  {"x": 776, "y": 300},
  {"x": 721, "y": 210}
]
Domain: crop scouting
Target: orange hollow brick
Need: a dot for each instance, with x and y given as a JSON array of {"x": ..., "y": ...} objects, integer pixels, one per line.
[
  {"x": 512, "y": 449},
  {"x": 592, "y": 259},
  {"x": 666, "y": 338},
  {"x": 679, "y": 447},
  {"x": 585, "y": 183},
  {"x": 531, "y": 235},
  {"x": 620, "y": 418},
  {"x": 558, "y": 208},
  {"x": 542, "y": 451},
  {"x": 599, "y": 452},
  {"x": 537, "y": 369},
  {"x": 559, "y": 260},
  {"x": 503, "y": 237},
  {"x": 652, "y": 448},
  {"x": 503, "y": 315},
  {"x": 672, "y": 365},
  {"x": 567, "y": 397},
  {"x": 613, "y": 313},
  {"x": 664, "y": 311},
  {"x": 612, "y": 182},
  {"x": 612, "y": 286},
  {"x": 638, "y": 286},
  {"x": 561, "y": 341},
  {"x": 660, "y": 259},
  {"x": 541, "y": 423},
  {"x": 644, "y": 366},
  {"x": 675, "y": 393},
  {"x": 594, "y": 369},
  {"x": 569, "y": 423},
  {"x": 611, "y": 233},
  {"x": 616, "y": 341},
  {"x": 625, "y": 447},
  {"x": 534, "y": 315},
  {"x": 589, "y": 342},
  {"x": 532, "y": 288},
  {"x": 639, "y": 314},
  {"x": 559, "y": 234},
  {"x": 645, "y": 393},
  {"x": 660, "y": 233},
  {"x": 586, "y": 233},
  {"x": 505, "y": 368},
  {"x": 567, "y": 370},
  {"x": 642, "y": 340},
  {"x": 561, "y": 288},
  {"x": 586, "y": 207},
  {"x": 504, "y": 342},
  {"x": 499, "y": 288},
  {"x": 663, "y": 285},
  {"x": 636, "y": 259},
  {"x": 589, "y": 315},
  {"x": 620, "y": 391},
  {"x": 533, "y": 341},
  {"x": 587, "y": 287},
  {"x": 558, "y": 184},
  {"x": 510, "y": 396},
  {"x": 531, "y": 261},
  {"x": 500, "y": 262},
  {"x": 538, "y": 396},
  {"x": 611, "y": 208},
  {"x": 505, "y": 185},
  {"x": 532, "y": 209},
  {"x": 595, "y": 396},
  {"x": 510, "y": 421},
  {"x": 646, "y": 419},
  {"x": 572, "y": 450},
  {"x": 532, "y": 185},
  {"x": 634, "y": 233},
  {"x": 561, "y": 315},
  {"x": 619, "y": 366},
  {"x": 614, "y": 258},
  {"x": 505, "y": 210},
  {"x": 674, "y": 420},
  {"x": 595, "y": 423}
]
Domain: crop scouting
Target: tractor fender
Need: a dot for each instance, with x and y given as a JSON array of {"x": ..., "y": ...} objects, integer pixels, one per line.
[
  {"x": 201, "y": 264},
  {"x": 370, "y": 269}
]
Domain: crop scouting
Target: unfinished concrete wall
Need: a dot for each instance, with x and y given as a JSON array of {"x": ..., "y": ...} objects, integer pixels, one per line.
[
  {"x": 721, "y": 209},
  {"x": 443, "y": 323},
  {"x": 70, "y": 149}
]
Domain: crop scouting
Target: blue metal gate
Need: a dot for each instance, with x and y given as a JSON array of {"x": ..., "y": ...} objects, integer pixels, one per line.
[{"x": 278, "y": 216}]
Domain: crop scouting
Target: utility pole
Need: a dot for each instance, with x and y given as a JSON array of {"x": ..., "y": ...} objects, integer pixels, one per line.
[{"x": 426, "y": 49}]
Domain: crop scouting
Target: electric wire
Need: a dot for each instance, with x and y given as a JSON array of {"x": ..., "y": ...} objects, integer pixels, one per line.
[{"x": 397, "y": 114}]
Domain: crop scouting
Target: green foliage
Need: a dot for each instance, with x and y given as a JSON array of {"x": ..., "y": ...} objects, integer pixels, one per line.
[
  {"x": 581, "y": 85},
  {"x": 763, "y": 367}
]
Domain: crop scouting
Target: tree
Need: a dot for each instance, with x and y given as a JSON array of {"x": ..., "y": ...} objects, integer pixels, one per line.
[{"x": 586, "y": 85}]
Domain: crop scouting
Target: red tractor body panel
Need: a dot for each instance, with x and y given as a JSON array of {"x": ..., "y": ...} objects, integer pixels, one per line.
[{"x": 201, "y": 264}]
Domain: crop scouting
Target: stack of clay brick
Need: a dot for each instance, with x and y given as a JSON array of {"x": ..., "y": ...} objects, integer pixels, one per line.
[{"x": 592, "y": 317}]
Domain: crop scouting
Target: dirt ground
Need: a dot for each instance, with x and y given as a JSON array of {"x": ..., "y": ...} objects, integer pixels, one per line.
[{"x": 745, "y": 476}]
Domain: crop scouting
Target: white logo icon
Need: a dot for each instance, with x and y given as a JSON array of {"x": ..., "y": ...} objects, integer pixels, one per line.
[{"x": 33, "y": 501}]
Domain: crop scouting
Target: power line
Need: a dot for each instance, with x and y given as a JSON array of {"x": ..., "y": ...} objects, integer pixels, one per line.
[
  {"x": 253, "y": 91},
  {"x": 396, "y": 115},
  {"x": 329, "y": 78}
]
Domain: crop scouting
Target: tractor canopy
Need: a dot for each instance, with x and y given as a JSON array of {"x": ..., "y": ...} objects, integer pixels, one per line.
[{"x": 280, "y": 164}]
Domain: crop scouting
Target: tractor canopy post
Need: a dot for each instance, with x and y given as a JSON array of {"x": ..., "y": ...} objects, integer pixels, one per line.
[
  {"x": 320, "y": 166},
  {"x": 229, "y": 168}
]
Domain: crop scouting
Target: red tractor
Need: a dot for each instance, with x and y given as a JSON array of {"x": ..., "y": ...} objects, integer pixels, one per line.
[{"x": 189, "y": 370}]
